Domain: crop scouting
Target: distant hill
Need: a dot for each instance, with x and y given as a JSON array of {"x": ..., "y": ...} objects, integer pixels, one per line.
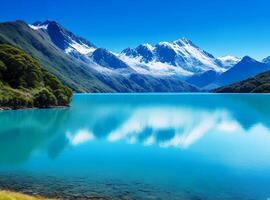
[
  {"x": 246, "y": 68},
  {"x": 257, "y": 84},
  {"x": 203, "y": 79},
  {"x": 266, "y": 60},
  {"x": 23, "y": 83}
]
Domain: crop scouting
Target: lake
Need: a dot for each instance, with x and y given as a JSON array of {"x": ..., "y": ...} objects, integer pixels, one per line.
[{"x": 152, "y": 146}]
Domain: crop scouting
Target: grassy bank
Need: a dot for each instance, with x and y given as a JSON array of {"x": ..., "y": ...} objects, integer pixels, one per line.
[{"x": 7, "y": 195}]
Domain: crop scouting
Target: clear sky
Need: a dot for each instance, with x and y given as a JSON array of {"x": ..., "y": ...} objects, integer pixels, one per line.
[{"x": 221, "y": 27}]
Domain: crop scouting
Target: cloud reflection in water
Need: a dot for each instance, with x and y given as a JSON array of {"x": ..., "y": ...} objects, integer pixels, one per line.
[
  {"x": 172, "y": 126},
  {"x": 178, "y": 121},
  {"x": 80, "y": 137}
]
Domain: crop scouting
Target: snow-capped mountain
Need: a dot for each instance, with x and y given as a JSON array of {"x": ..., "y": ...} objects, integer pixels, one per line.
[
  {"x": 64, "y": 39},
  {"x": 246, "y": 68},
  {"x": 180, "y": 57},
  {"x": 145, "y": 51},
  {"x": 228, "y": 61},
  {"x": 107, "y": 59},
  {"x": 179, "y": 61}
]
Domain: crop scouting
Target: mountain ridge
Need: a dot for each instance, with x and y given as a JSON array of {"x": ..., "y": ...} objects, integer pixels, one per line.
[
  {"x": 72, "y": 73},
  {"x": 182, "y": 54},
  {"x": 246, "y": 68},
  {"x": 87, "y": 68},
  {"x": 81, "y": 73}
]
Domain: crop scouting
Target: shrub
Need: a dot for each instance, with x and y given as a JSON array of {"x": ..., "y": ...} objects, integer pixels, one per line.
[
  {"x": 62, "y": 97},
  {"x": 23, "y": 83},
  {"x": 44, "y": 99},
  {"x": 14, "y": 99},
  {"x": 2, "y": 66}
]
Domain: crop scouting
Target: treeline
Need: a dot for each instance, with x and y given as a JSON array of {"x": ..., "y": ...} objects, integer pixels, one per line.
[
  {"x": 23, "y": 83},
  {"x": 257, "y": 84}
]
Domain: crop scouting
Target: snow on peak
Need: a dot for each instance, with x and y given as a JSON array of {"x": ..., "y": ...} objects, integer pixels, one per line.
[
  {"x": 168, "y": 44},
  {"x": 228, "y": 61},
  {"x": 37, "y": 27},
  {"x": 148, "y": 46},
  {"x": 41, "y": 25},
  {"x": 183, "y": 41},
  {"x": 191, "y": 57},
  {"x": 229, "y": 58},
  {"x": 79, "y": 47},
  {"x": 181, "y": 53},
  {"x": 64, "y": 39}
]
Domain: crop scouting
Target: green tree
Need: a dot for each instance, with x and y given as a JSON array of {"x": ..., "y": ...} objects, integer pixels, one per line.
[
  {"x": 23, "y": 83},
  {"x": 44, "y": 99}
]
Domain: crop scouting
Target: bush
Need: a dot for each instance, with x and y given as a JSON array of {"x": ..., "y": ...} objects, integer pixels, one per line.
[
  {"x": 20, "y": 68},
  {"x": 23, "y": 83},
  {"x": 51, "y": 81},
  {"x": 14, "y": 99},
  {"x": 63, "y": 94},
  {"x": 44, "y": 99},
  {"x": 2, "y": 66},
  {"x": 63, "y": 97}
]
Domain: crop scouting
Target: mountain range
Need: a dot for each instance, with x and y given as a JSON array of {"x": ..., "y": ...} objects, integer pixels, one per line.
[
  {"x": 177, "y": 66},
  {"x": 257, "y": 84}
]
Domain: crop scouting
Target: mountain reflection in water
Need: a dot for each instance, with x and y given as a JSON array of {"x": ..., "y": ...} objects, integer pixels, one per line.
[
  {"x": 177, "y": 121},
  {"x": 182, "y": 146}
]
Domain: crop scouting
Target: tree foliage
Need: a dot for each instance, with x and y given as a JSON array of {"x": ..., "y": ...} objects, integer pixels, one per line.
[
  {"x": 23, "y": 83},
  {"x": 44, "y": 98}
]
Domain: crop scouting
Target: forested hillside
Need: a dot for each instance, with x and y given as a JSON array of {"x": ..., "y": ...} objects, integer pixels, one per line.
[{"x": 23, "y": 83}]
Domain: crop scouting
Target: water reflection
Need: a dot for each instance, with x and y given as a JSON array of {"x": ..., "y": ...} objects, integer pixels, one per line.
[
  {"x": 80, "y": 137},
  {"x": 22, "y": 132},
  {"x": 177, "y": 121},
  {"x": 170, "y": 126}
]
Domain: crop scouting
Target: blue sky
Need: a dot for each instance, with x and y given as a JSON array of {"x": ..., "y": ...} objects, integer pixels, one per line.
[{"x": 221, "y": 27}]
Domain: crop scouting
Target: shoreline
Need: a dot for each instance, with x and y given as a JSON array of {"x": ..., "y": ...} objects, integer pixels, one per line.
[
  {"x": 31, "y": 108},
  {"x": 6, "y": 194},
  {"x": 169, "y": 93},
  {"x": 5, "y": 108}
]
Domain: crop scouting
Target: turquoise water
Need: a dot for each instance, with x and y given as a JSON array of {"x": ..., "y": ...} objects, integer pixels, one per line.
[{"x": 140, "y": 147}]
